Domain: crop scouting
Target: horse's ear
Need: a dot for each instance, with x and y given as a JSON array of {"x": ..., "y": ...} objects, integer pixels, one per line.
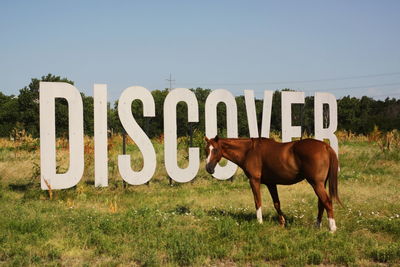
[
  {"x": 216, "y": 138},
  {"x": 207, "y": 140}
]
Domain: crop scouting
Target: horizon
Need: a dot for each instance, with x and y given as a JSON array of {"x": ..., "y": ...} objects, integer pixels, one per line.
[{"x": 342, "y": 48}]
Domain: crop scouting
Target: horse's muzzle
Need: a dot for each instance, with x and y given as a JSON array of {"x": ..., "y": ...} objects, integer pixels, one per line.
[{"x": 209, "y": 169}]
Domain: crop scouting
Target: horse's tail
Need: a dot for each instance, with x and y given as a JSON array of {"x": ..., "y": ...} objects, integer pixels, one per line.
[{"x": 333, "y": 175}]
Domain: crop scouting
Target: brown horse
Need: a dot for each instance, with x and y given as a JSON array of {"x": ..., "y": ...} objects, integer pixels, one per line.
[{"x": 265, "y": 161}]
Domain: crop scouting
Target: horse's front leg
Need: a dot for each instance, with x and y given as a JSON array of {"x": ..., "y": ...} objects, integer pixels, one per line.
[
  {"x": 273, "y": 190},
  {"x": 255, "y": 187}
]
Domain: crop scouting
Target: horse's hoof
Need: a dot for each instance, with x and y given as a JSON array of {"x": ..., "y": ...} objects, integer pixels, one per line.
[
  {"x": 282, "y": 221},
  {"x": 332, "y": 225}
]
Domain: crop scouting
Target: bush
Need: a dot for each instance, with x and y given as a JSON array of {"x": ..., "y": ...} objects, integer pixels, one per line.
[
  {"x": 314, "y": 257},
  {"x": 344, "y": 258},
  {"x": 387, "y": 253},
  {"x": 184, "y": 248}
]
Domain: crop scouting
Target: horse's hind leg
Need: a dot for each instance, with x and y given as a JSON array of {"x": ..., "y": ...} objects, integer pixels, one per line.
[
  {"x": 255, "y": 187},
  {"x": 273, "y": 190},
  {"x": 327, "y": 204},
  {"x": 320, "y": 213}
]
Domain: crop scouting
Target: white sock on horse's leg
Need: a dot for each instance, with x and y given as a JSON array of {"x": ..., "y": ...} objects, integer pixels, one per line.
[
  {"x": 259, "y": 215},
  {"x": 332, "y": 225}
]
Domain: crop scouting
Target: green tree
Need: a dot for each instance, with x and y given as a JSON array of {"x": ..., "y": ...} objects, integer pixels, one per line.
[
  {"x": 348, "y": 113},
  {"x": 28, "y": 102},
  {"x": 88, "y": 114},
  {"x": 276, "y": 117},
  {"x": 157, "y": 123},
  {"x": 9, "y": 114},
  {"x": 201, "y": 96},
  {"x": 243, "y": 127}
]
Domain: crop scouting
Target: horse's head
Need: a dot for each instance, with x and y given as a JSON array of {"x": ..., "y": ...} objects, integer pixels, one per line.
[{"x": 213, "y": 152}]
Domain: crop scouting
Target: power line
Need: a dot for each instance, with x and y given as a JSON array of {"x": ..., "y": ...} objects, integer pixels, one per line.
[
  {"x": 358, "y": 87},
  {"x": 347, "y": 88},
  {"x": 387, "y": 95},
  {"x": 300, "y": 81}
]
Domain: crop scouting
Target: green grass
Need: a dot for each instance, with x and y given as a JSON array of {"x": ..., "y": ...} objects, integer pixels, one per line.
[{"x": 207, "y": 222}]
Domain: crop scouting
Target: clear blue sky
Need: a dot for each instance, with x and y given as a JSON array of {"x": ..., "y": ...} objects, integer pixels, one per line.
[{"x": 212, "y": 44}]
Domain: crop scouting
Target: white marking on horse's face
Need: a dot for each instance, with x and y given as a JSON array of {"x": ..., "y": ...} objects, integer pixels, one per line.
[
  {"x": 209, "y": 154},
  {"x": 332, "y": 225},
  {"x": 259, "y": 215}
]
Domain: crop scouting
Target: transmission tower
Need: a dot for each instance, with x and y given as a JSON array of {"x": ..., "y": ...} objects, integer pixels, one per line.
[{"x": 170, "y": 81}]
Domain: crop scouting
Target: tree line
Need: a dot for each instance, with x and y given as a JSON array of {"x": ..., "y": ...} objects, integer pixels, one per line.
[{"x": 357, "y": 115}]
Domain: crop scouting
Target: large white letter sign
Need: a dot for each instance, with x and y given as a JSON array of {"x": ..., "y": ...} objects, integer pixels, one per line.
[
  {"x": 252, "y": 116},
  {"x": 289, "y": 131},
  {"x": 170, "y": 128},
  {"x": 100, "y": 135},
  {"x": 266, "y": 116},
  {"x": 215, "y": 97},
  {"x": 137, "y": 134},
  {"x": 251, "y": 113},
  {"x": 49, "y": 91},
  {"x": 320, "y": 132}
]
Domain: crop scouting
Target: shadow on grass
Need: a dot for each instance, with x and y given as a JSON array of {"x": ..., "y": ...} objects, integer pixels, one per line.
[
  {"x": 89, "y": 182},
  {"x": 248, "y": 216},
  {"x": 21, "y": 187}
]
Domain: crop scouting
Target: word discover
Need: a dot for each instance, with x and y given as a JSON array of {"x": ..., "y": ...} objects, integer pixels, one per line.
[{"x": 49, "y": 91}]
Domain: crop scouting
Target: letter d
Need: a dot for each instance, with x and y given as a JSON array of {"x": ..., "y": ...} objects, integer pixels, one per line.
[{"x": 49, "y": 91}]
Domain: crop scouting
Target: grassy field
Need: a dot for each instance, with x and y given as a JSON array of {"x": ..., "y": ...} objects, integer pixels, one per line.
[{"x": 204, "y": 222}]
